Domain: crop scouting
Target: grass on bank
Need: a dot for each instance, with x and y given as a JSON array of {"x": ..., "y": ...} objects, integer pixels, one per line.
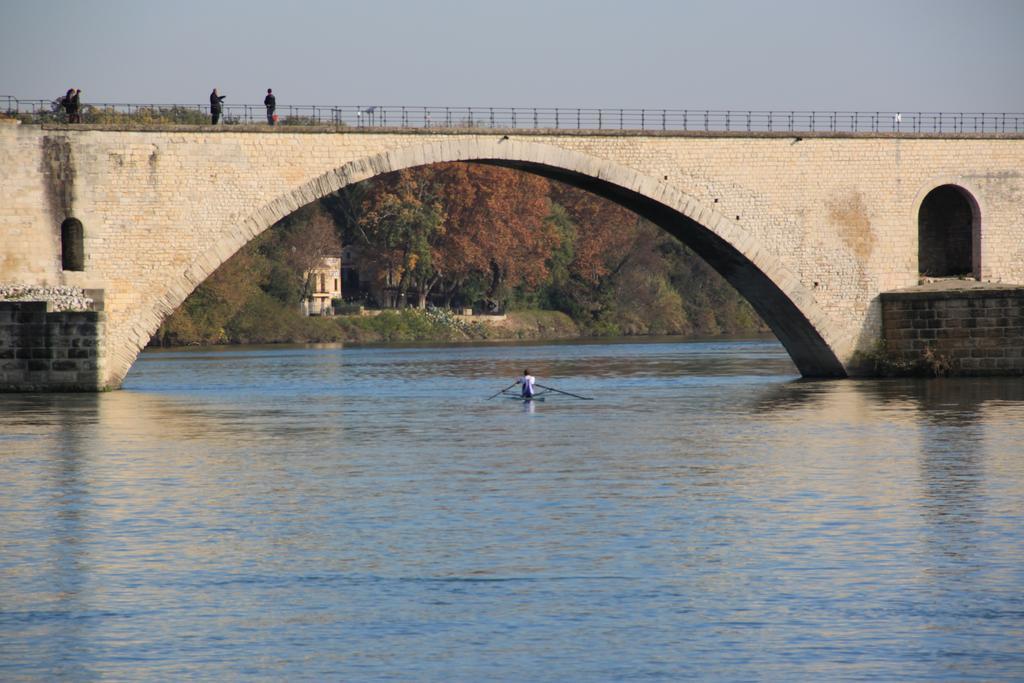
[{"x": 265, "y": 320}]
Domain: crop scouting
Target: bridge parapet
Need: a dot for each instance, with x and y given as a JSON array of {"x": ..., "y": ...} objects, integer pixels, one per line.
[{"x": 364, "y": 117}]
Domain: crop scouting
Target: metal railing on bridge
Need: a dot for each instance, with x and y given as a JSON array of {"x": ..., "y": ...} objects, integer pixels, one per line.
[{"x": 531, "y": 118}]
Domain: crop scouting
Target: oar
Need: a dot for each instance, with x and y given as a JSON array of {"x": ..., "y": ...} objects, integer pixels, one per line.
[
  {"x": 585, "y": 398},
  {"x": 502, "y": 391}
]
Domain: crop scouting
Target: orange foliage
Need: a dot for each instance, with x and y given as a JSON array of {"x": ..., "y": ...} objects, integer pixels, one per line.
[
  {"x": 608, "y": 232},
  {"x": 497, "y": 226},
  {"x": 493, "y": 222}
]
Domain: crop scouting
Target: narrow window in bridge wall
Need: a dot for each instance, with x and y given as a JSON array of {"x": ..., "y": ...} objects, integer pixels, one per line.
[
  {"x": 72, "y": 247},
  {"x": 947, "y": 234}
]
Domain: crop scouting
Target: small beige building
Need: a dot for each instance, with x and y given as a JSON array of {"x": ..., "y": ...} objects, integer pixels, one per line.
[{"x": 324, "y": 287}]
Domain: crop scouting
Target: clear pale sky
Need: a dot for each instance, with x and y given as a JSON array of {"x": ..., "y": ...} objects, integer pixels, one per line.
[{"x": 890, "y": 55}]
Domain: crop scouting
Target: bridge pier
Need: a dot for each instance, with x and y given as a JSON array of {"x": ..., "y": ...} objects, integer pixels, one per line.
[
  {"x": 50, "y": 351},
  {"x": 953, "y": 329}
]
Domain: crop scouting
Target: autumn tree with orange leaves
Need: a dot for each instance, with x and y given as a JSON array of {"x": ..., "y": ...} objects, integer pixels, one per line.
[
  {"x": 453, "y": 226},
  {"x": 498, "y": 232}
]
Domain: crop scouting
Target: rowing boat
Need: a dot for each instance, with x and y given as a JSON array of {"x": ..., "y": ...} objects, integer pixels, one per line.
[
  {"x": 510, "y": 392},
  {"x": 524, "y": 399}
]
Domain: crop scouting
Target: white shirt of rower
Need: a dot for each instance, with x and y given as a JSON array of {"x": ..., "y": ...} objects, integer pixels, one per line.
[{"x": 527, "y": 382}]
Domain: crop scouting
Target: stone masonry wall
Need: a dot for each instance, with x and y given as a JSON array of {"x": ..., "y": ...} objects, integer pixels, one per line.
[
  {"x": 977, "y": 331},
  {"x": 44, "y": 350},
  {"x": 831, "y": 221}
]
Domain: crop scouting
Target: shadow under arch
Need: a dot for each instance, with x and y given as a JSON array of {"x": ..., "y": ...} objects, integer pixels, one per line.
[
  {"x": 948, "y": 217},
  {"x": 817, "y": 346}
]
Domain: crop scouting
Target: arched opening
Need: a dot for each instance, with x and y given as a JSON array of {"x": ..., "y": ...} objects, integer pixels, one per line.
[
  {"x": 817, "y": 344},
  {"x": 947, "y": 230},
  {"x": 720, "y": 245},
  {"x": 72, "y": 246}
]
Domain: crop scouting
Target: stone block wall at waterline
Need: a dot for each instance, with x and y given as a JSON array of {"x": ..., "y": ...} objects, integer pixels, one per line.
[
  {"x": 44, "y": 350},
  {"x": 976, "y": 332}
]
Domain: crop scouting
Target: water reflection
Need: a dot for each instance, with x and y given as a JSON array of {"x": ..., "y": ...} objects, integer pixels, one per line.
[{"x": 708, "y": 515}]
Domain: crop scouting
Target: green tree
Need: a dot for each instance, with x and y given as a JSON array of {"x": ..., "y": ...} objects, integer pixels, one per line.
[{"x": 398, "y": 228}]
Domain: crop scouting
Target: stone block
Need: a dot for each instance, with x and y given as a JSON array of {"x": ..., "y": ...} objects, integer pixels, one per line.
[{"x": 30, "y": 313}]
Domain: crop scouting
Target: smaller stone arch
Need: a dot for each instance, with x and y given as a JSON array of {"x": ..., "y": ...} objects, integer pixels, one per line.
[
  {"x": 949, "y": 233},
  {"x": 72, "y": 245}
]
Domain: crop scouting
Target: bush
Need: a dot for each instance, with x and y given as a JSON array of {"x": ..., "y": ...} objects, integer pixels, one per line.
[{"x": 412, "y": 324}]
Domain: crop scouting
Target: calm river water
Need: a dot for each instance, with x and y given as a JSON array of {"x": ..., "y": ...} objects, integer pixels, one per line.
[{"x": 365, "y": 514}]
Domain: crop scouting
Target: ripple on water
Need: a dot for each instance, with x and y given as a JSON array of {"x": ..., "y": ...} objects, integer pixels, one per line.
[{"x": 366, "y": 514}]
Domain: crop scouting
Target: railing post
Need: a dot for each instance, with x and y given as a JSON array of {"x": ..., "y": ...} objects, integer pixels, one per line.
[{"x": 663, "y": 126}]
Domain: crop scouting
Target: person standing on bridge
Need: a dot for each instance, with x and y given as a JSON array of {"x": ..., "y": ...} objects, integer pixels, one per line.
[
  {"x": 74, "y": 106},
  {"x": 65, "y": 103},
  {"x": 216, "y": 106},
  {"x": 271, "y": 103}
]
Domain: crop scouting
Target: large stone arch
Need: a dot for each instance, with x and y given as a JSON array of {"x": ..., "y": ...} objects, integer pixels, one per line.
[{"x": 817, "y": 346}]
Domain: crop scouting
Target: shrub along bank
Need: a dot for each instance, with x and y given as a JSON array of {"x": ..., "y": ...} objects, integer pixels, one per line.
[{"x": 267, "y": 322}]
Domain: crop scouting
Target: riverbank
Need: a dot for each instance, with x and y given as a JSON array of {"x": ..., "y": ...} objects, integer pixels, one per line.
[{"x": 406, "y": 325}]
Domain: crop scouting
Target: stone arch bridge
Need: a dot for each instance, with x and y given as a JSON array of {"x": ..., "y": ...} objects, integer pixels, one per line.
[{"x": 810, "y": 228}]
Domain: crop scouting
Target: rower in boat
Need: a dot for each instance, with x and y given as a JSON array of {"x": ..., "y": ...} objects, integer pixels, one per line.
[
  {"x": 527, "y": 380},
  {"x": 529, "y": 391}
]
